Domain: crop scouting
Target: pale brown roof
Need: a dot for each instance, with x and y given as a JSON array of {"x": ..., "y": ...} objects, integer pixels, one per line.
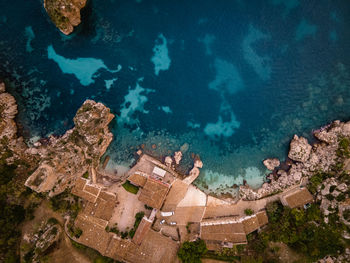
[
  {"x": 226, "y": 231},
  {"x": 104, "y": 206},
  {"x": 154, "y": 193},
  {"x": 141, "y": 231},
  {"x": 220, "y": 210},
  {"x": 213, "y": 245},
  {"x": 262, "y": 218},
  {"x": 298, "y": 198},
  {"x": 250, "y": 224},
  {"x": 137, "y": 179},
  {"x": 84, "y": 190},
  {"x": 176, "y": 194},
  {"x": 94, "y": 234}
]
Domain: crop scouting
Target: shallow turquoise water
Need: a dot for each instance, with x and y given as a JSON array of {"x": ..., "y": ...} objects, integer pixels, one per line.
[{"x": 231, "y": 81}]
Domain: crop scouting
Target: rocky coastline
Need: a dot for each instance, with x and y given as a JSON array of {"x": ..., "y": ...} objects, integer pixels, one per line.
[
  {"x": 58, "y": 162},
  {"x": 304, "y": 160}
]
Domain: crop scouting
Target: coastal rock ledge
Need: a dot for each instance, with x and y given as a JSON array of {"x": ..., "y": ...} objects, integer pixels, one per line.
[
  {"x": 66, "y": 158},
  {"x": 271, "y": 163},
  {"x": 65, "y": 14},
  {"x": 326, "y": 155}
]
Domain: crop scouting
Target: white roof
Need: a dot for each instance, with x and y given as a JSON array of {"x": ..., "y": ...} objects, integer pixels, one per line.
[{"x": 158, "y": 171}]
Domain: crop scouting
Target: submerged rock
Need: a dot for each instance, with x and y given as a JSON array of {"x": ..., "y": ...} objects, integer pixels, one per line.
[
  {"x": 271, "y": 163},
  {"x": 65, "y": 14}
]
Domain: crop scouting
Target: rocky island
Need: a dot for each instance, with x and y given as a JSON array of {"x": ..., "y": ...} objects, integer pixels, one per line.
[
  {"x": 65, "y": 14},
  {"x": 153, "y": 213}
]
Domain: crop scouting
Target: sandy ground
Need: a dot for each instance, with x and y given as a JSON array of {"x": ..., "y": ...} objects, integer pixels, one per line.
[
  {"x": 193, "y": 197},
  {"x": 128, "y": 206}
]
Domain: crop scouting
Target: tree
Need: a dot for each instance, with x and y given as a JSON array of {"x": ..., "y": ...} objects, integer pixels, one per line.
[{"x": 191, "y": 252}]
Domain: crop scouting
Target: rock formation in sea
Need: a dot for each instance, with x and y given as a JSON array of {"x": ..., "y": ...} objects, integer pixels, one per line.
[
  {"x": 64, "y": 159},
  {"x": 271, "y": 163},
  {"x": 324, "y": 156},
  {"x": 65, "y": 14}
]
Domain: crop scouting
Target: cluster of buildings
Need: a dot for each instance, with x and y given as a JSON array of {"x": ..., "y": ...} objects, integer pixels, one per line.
[{"x": 180, "y": 212}]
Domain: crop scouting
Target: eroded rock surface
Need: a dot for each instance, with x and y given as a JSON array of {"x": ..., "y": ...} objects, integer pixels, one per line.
[
  {"x": 65, "y": 14},
  {"x": 66, "y": 158},
  {"x": 309, "y": 160},
  {"x": 271, "y": 163},
  {"x": 299, "y": 149}
]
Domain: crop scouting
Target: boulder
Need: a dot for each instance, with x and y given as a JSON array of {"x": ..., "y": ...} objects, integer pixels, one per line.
[
  {"x": 300, "y": 149},
  {"x": 65, "y": 14},
  {"x": 178, "y": 157},
  {"x": 271, "y": 163}
]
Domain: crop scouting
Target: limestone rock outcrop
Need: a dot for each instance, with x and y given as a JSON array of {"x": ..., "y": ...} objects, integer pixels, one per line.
[
  {"x": 66, "y": 158},
  {"x": 309, "y": 160},
  {"x": 65, "y": 14},
  {"x": 271, "y": 163},
  {"x": 300, "y": 149}
]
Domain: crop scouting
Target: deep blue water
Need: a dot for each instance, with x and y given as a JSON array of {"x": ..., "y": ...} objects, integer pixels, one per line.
[{"x": 232, "y": 80}]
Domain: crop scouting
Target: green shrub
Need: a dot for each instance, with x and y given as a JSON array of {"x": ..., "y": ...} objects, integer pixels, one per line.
[
  {"x": 248, "y": 212},
  {"x": 346, "y": 214},
  {"x": 130, "y": 187},
  {"x": 332, "y": 188},
  {"x": 191, "y": 252}
]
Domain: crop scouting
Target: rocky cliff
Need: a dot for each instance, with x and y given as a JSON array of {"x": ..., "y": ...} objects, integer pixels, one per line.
[
  {"x": 329, "y": 155},
  {"x": 12, "y": 148},
  {"x": 66, "y": 158},
  {"x": 65, "y": 14}
]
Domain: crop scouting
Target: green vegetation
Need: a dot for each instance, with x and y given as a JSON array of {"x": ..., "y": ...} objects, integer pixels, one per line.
[
  {"x": 130, "y": 187},
  {"x": 248, "y": 212},
  {"x": 316, "y": 180},
  {"x": 13, "y": 196},
  {"x": 302, "y": 230},
  {"x": 346, "y": 215},
  {"x": 343, "y": 150},
  {"x": 65, "y": 202},
  {"x": 86, "y": 175},
  {"x": 192, "y": 252},
  {"x": 138, "y": 218},
  {"x": 148, "y": 207}
]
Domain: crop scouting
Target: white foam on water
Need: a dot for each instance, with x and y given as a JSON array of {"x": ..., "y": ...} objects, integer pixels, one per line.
[
  {"x": 166, "y": 109},
  {"x": 29, "y": 34},
  {"x": 227, "y": 77},
  {"x": 160, "y": 59},
  {"x": 260, "y": 64},
  {"x": 207, "y": 41},
  {"x": 222, "y": 128},
  {"x": 84, "y": 69},
  {"x": 133, "y": 101},
  {"x": 305, "y": 29}
]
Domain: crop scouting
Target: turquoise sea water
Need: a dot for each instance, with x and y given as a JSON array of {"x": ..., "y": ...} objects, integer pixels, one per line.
[{"x": 231, "y": 81}]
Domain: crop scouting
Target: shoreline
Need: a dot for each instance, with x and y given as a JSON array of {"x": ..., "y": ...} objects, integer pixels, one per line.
[{"x": 241, "y": 190}]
